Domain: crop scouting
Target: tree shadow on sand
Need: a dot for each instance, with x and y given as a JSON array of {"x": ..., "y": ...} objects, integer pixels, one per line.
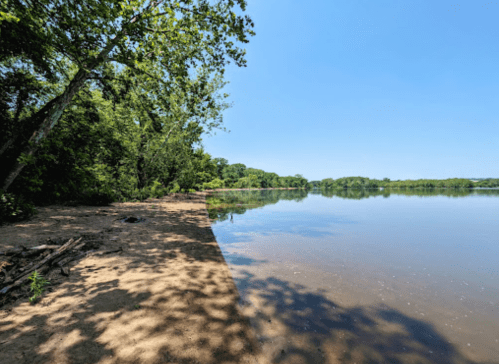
[{"x": 168, "y": 298}]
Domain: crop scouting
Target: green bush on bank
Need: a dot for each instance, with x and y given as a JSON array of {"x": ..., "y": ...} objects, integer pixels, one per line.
[
  {"x": 213, "y": 185},
  {"x": 14, "y": 208}
]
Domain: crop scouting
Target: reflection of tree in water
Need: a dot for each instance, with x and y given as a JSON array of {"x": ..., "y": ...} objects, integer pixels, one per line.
[
  {"x": 318, "y": 330},
  {"x": 359, "y": 194},
  {"x": 222, "y": 204}
]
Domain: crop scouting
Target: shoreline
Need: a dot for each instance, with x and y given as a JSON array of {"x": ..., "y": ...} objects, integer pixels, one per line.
[
  {"x": 168, "y": 297},
  {"x": 255, "y": 189}
]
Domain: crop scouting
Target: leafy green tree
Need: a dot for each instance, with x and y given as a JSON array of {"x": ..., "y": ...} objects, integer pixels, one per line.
[
  {"x": 251, "y": 181},
  {"x": 233, "y": 172},
  {"x": 221, "y": 163},
  {"x": 178, "y": 37}
]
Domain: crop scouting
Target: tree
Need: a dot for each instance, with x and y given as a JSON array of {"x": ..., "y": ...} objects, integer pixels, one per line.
[
  {"x": 232, "y": 173},
  {"x": 251, "y": 181},
  {"x": 221, "y": 163},
  {"x": 178, "y": 38}
]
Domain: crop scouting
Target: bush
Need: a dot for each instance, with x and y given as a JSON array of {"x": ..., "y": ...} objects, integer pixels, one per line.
[
  {"x": 14, "y": 208},
  {"x": 96, "y": 198},
  {"x": 175, "y": 188},
  {"x": 216, "y": 183},
  {"x": 156, "y": 190}
]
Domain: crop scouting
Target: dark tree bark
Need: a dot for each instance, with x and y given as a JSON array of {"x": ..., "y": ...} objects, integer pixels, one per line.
[
  {"x": 46, "y": 118},
  {"x": 141, "y": 164}
]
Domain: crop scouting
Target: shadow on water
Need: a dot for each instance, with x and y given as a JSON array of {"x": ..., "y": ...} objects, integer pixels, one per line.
[{"x": 298, "y": 326}]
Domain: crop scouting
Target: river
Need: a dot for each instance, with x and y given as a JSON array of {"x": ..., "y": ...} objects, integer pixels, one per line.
[{"x": 366, "y": 276}]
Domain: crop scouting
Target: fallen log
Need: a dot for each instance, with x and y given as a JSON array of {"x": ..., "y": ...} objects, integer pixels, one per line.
[
  {"x": 41, "y": 266},
  {"x": 40, "y": 247},
  {"x": 44, "y": 247}
]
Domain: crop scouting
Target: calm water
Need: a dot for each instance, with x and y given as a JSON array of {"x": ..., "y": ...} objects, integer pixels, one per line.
[{"x": 366, "y": 276}]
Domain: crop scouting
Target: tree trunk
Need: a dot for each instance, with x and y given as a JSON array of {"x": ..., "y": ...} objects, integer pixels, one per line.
[
  {"x": 48, "y": 116},
  {"x": 141, "y": 164},
  {"x": 49, "y": 120},
  {"x": 27, "y": 127}
]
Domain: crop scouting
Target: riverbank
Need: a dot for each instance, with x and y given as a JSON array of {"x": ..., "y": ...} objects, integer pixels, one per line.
[{"x": 168, "y": 297}]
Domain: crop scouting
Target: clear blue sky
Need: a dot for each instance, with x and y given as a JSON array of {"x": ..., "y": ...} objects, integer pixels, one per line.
[{"x": 398, "y": 89}]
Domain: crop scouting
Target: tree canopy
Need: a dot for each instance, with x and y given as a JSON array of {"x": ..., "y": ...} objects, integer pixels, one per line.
[{"x": 173, "y": 45}]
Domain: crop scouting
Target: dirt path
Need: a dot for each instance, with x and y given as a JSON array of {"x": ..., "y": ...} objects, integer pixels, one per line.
[{"x": 167, "y": 298}]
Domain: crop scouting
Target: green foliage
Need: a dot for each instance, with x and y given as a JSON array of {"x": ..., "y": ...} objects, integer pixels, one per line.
[
  {"x": 37, "y": 286},
  {"x": 363, "y": 182},
  {"x": 175, "y": 188},
  {"x": 14, "y": 208},
  {"x": 251, "y": 181},
  {"x": 222, "y": 204},
  {"x": 232, "y": 173},
  {"x": 147, "y": 78},
  {"x": 238, "y": 176},
  {"x": 96, "y": 198},
  {"x": 156, "y": 190},
  {"x": 214, "y": 184},
  {"x": 487, "y": 183}
]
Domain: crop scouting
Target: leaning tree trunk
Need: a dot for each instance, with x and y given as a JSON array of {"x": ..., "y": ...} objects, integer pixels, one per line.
[
  {"x": 48, "y": 121},
  {"x": 48, "y": 117},
  {"x": 27, "y": 127}
]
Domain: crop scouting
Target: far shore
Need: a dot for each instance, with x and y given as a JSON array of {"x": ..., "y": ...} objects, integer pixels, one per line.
[{"x": 252, "y": 189}]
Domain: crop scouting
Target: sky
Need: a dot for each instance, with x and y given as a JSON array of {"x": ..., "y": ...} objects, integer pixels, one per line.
[{"x": 379, "y": 89}]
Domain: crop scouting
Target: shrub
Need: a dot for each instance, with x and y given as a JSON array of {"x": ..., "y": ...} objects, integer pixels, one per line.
[
  {"x": 14, "y": 208},
  {"x": 156, "y": 190},
  {"x": 96, "y": 198},
  {"x": 216, "y": 183},
  {"x": 175, "y": 188},
  {"x": 37, "y": 284}
]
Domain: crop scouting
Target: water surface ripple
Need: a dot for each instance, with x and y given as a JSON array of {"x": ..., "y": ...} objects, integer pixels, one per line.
[{"x": 366, "y": 276}]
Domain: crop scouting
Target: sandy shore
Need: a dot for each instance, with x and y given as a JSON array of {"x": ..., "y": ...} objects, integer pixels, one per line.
[{"x": 169, "y": 297}]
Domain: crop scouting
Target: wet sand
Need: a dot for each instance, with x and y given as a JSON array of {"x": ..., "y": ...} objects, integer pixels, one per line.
[{"x": 167, "y": 298}]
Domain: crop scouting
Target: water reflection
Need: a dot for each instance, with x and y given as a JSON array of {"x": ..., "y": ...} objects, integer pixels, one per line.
[
  {"x": 365, "y": 276},
  {"x": 240, "y": 259},
  {"x": 224, "y": 204}
]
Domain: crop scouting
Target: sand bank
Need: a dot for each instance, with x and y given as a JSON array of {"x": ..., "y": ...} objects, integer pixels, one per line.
[{"x": 169, "y": 297}]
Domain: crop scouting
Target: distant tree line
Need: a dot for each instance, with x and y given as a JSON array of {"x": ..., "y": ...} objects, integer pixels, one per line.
[
  {"x": 364, "y": 182},
  {"x": 238, "y": 176}
]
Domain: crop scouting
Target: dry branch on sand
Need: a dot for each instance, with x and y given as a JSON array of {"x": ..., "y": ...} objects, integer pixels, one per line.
[{"x": 17, "y": 265}]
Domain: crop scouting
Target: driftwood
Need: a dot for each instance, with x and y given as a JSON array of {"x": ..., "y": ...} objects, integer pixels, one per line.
[
  {"x": 40, "y": 247},
  {"x": 18, "y": 264},
  {"x": 41, "y": 266},
  {"x": 43, "y": 247}
]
